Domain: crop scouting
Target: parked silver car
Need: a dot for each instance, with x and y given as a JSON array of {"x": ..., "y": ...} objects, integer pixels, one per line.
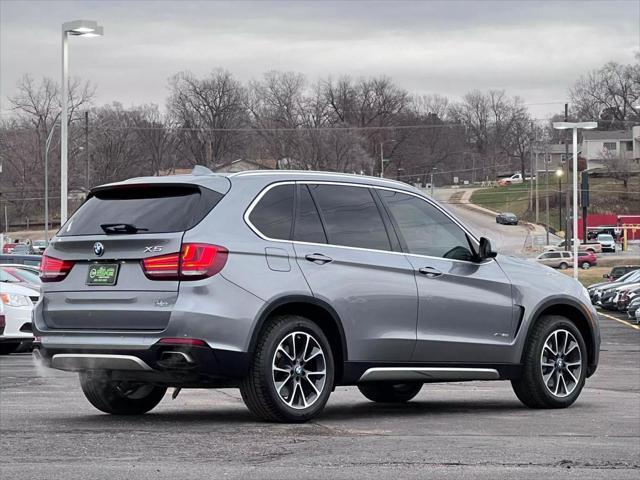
[{"x": 286, "y": 284}]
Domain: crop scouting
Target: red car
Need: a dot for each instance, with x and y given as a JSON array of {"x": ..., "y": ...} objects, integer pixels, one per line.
[
  {"x": 8, "y": 247},
  {"x": 587, "y": 259}
]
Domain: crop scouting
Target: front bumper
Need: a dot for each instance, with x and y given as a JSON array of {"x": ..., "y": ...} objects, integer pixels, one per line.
[{"x": 17, "y": 325}]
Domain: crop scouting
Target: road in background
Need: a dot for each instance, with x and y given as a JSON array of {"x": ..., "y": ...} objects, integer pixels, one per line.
[{"x": 461, "y": 430}]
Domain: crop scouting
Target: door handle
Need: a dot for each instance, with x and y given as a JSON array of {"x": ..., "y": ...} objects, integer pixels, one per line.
[
  {"x": 430, "y": 272},
  {"x": 318, "y": 258}
]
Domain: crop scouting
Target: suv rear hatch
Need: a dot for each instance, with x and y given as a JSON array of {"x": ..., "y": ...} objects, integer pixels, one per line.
[{"x": 96, "y": 272}]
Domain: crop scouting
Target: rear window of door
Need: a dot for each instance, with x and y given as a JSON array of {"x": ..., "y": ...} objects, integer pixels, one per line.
[
  {"x": 145, "y": 209},
  {"x": 425, "y": 229},
  {"x": 350, "y": 216},
  {"x": 308, "y": 226},
  {"x": 273, "y": 214}
]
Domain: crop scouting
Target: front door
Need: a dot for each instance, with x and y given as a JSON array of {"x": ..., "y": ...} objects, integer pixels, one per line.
[{"x": 465, "y": 311}]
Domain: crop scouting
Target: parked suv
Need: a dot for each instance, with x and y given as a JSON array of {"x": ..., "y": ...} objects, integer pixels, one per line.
[{"x": 287, "y": 284}]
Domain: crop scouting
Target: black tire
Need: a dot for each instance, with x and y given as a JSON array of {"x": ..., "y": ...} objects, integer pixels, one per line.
[
  {"x": 388, "y": 392},
  {"x": 258, "y": 388},
  {"x": 530, "y": 388},
  {"x": 563, "y": 266},
  {"x": 8, "y": 348},
  {"x": 118, "y": 398}
]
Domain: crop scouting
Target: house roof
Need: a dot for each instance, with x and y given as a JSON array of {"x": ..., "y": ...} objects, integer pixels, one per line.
[{"x": 622, "y": 135}]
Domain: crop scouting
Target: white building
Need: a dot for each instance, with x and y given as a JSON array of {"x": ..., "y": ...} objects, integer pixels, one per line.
[{"x": 597, "y": 145}]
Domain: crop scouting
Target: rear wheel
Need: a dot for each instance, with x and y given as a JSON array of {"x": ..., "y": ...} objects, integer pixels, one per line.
[
  {"x": 554, "y": 365},
  {"x": 119, "y": 398},
  {"x": 7, "y": 348},
  {"x": 292, "y": 373},
  {"x": 387, "y": 392},
  {"x": 563, "y": 266}
]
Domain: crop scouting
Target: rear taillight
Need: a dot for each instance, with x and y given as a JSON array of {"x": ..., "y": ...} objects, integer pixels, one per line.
[
  {"x": 195, "y": 261},
  {"x": 3, "y": 321},
  {"x": 54, "y": 269}
]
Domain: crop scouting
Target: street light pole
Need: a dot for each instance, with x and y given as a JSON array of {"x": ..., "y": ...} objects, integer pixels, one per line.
[
  {"x": 381, "y": 160},
  {"x": 575, "y": 126},
  {"x": 46, "y": 184},
  {"x": 80, "y": 28},
  {"x": 546, "y": 181}
]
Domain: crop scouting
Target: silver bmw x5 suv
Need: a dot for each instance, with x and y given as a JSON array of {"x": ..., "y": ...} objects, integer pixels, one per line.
[{"x": 286, "y": 284}]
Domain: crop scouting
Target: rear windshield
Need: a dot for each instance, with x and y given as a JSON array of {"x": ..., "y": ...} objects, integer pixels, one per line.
[{"x": 141, "y": 209}]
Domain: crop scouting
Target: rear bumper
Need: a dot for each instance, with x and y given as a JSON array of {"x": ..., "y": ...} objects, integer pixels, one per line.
[{"x": 165, "y": 364}]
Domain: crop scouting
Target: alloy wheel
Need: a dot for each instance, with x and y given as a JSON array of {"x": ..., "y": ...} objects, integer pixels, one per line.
[
  {"x": 299, "y": 370},
  {"x": 561, "y": 363}
]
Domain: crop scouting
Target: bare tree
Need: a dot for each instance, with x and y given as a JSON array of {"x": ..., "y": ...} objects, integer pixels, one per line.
[{"x": 210, "y": 111}]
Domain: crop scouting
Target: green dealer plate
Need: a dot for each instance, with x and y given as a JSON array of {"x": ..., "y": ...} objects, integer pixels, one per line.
[{"x": 102, "y": 274}]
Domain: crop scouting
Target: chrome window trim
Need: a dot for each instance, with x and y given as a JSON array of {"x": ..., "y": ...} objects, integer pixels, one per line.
[{"x": 263, "y": 192}]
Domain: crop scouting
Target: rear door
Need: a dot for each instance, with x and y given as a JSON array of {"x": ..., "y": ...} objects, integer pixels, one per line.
[
  {"x": 349, "y": 262},
  {"x": 105, "y": 241}
]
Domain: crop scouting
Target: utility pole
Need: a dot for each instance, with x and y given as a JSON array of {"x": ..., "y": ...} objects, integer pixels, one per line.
[
  {"x": 524, "y": 176},
  {"x": 537, "y": 202},
  {"x": 381, "y": 160},
  {"x": 560, "y": 204},
  {"x": 567, "y": 223},
  {"x": 546, "y": 181},
  {"x": 432, "y": 170},
  {"x": 86, "y": 148}
]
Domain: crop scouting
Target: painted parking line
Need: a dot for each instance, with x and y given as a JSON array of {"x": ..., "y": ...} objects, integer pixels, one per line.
[{"x": 637, "y": 327}]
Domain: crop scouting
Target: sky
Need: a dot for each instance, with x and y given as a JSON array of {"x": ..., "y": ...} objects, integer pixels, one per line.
[{"x": 534, "y": 49}]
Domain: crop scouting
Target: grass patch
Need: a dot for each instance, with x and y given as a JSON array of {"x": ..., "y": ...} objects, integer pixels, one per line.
[{"x": 590, "y": 276}]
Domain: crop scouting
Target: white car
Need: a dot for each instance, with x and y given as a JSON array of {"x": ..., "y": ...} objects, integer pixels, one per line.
[
  {"x": 16, "y": 304},
  {"x": 607, "y": 242}
]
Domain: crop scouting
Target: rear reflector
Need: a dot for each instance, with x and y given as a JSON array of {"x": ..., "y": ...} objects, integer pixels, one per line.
[
  {"x": 53, "y": 269},
  {"x": 195, "y": 261},
  {"x": 193, "y": 342},
  {"x": 3, "y": 321}
]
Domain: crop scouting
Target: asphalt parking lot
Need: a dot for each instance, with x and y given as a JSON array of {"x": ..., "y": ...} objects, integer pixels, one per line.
[{"x": 456, "y": 431}]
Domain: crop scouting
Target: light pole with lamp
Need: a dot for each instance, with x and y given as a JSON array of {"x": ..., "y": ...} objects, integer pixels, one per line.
[
  {"x": 575, "y": 126},
  {"x": 46, "y": 184},
  {"x": 559, "y": 173},
  {"x": 78, "y": 28}
]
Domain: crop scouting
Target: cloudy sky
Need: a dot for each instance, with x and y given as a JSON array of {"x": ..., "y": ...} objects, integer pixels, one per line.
[{"x": 534, "y": 49}]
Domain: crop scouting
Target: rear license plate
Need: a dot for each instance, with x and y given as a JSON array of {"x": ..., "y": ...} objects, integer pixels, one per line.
[{"x": 102, "y": 274}]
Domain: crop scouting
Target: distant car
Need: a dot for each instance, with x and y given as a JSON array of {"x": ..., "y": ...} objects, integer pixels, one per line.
[
  {"x": 23, "y": 249},
  {"x": 607, "y": 242},
  {"x": 611, "y": 296},
  {"x": 593, "y": 247},
  {"x": 27, "y": 277},
  {"x": 33, "y": 260},
  {"x": 596, "y": 291},
  {"x": 626, "y": 297},
  {"x": 507, "y": 218},
  {"x": 515, "y": 178},
  {"x": 633, "y": 308},
  {"x": 619, "y": 271},
  {"x": 560, "y": 260},
  {"x": 8, "y": 247},
  {"x": 39, "y": 246},
  {"x": 16, "y": 304},
  {"x": 587, "y": 260}
]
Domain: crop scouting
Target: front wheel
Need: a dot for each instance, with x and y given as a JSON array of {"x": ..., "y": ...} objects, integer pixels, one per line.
[
  {"x": 387, "y": 392},
  {"x": 119, "y": 398},
  {"x": 554, "y": 365},
  {"x": 292, "y": 372},
  {"x": 586, "y": 265}
]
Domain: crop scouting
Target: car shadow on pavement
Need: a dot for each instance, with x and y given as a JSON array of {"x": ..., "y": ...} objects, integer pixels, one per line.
[{"x": 359, "y": 411}]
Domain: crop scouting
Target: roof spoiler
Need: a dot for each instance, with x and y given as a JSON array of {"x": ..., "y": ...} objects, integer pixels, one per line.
[{"x": 201, "y": 170}]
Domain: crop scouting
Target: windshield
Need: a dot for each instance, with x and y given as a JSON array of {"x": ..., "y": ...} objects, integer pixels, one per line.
[{"x": 605, "y": 237}]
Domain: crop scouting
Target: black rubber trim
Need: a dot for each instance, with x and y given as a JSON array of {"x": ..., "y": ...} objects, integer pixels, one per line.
[
  {"x": 562, "y": 301},
  {"x": 269, "y": 308}
]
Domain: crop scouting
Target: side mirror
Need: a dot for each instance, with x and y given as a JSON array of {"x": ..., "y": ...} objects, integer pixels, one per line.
[
  {"x": 485, "y": 251},
  {"x": 606, "y": 275}
]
